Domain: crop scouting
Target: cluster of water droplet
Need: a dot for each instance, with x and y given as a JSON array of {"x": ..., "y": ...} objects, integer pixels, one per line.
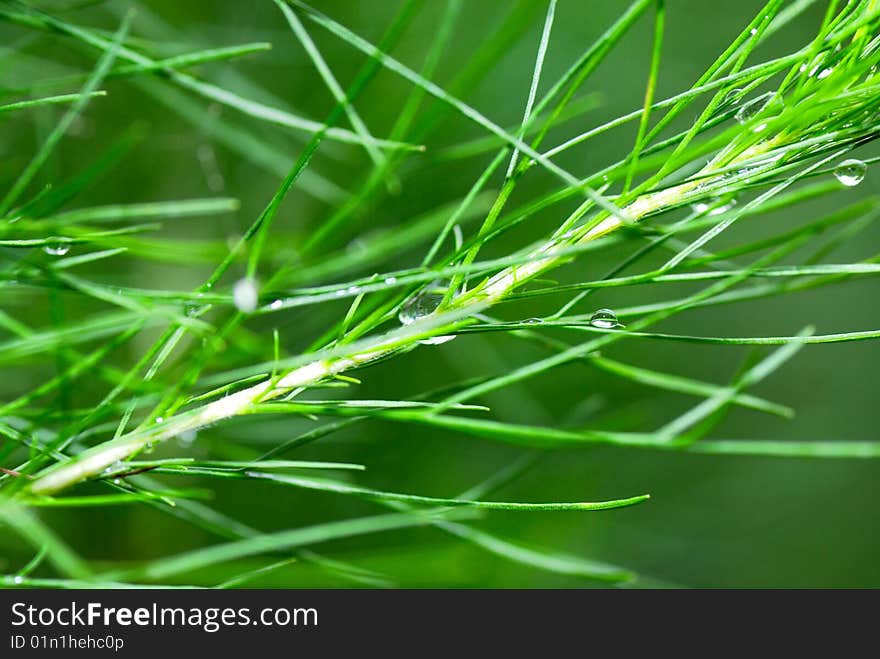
[
  {"x": 115, "y": 468},
  {"x": 821, "y": 67}
]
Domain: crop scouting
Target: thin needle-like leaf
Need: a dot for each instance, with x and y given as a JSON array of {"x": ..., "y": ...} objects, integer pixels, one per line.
[{"x": 85, "y": 95}]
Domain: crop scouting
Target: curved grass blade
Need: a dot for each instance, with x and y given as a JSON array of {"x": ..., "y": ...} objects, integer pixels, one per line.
[{"x": 343, "y": 488}]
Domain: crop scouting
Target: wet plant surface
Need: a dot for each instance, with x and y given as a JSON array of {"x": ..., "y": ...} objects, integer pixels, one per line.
[{"x": 237, "y": 242}]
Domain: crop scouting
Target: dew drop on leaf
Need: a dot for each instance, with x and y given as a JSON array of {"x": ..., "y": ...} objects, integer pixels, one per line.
[
  {"x": 753, "y": 108},
  {"x": 56, "y": 248},
  {"x": 418, "y": 307},
  {"x": 850, "y": 172},
  {"x": 733, "y": 95},
  {"x": 604, "y": 319},
  {"x": 116, "y": 466},
  {"x": 423, "y": 304},
  {"x": 713, "y": 206},
  {"x": 437, "y": 340}
]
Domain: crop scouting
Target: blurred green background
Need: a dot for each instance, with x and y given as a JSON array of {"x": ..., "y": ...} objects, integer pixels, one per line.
[{"x": 712, "y": 521}]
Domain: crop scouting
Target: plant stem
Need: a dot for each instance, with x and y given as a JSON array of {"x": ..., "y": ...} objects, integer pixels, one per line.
[{"x": 493, "y": 290}]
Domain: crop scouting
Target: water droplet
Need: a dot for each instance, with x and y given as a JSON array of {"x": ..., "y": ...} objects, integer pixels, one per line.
[
  {"x": 761, "y": 127},
  {"x": 532, "y": 321},
  {"x": 713, "y": 206},
  {"x": 733, "y": 95},
  {"x": 420, "y": 306},
  {"x": 116, "y": 466},
  {"x": 753, "y": 31},
  {"x": 17, "y": 579},
  {"x": 604, "y": 319},
  {"x": 245, "y": 295},
  {"x": 753, "y": 108},
  {"x": 117, "y": 481},
  {"x": 437, "y": 340},
  {"x": 700, "y": 207},
  {"x": 353, "y": 290},
  {"x": 850, "y": 172},
  {"x": 824, "y": 73},
  {"x": 187, "y": 437},
  {"x": 276, "y": 304},
  {"x": 390, "y": 281},
  {"x": 56, "y": 248},
  {"x": 160, "y": 419}
]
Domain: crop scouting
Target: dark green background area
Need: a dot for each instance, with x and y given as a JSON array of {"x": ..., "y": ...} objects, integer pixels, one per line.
[{"x": 712, "y": 520}]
